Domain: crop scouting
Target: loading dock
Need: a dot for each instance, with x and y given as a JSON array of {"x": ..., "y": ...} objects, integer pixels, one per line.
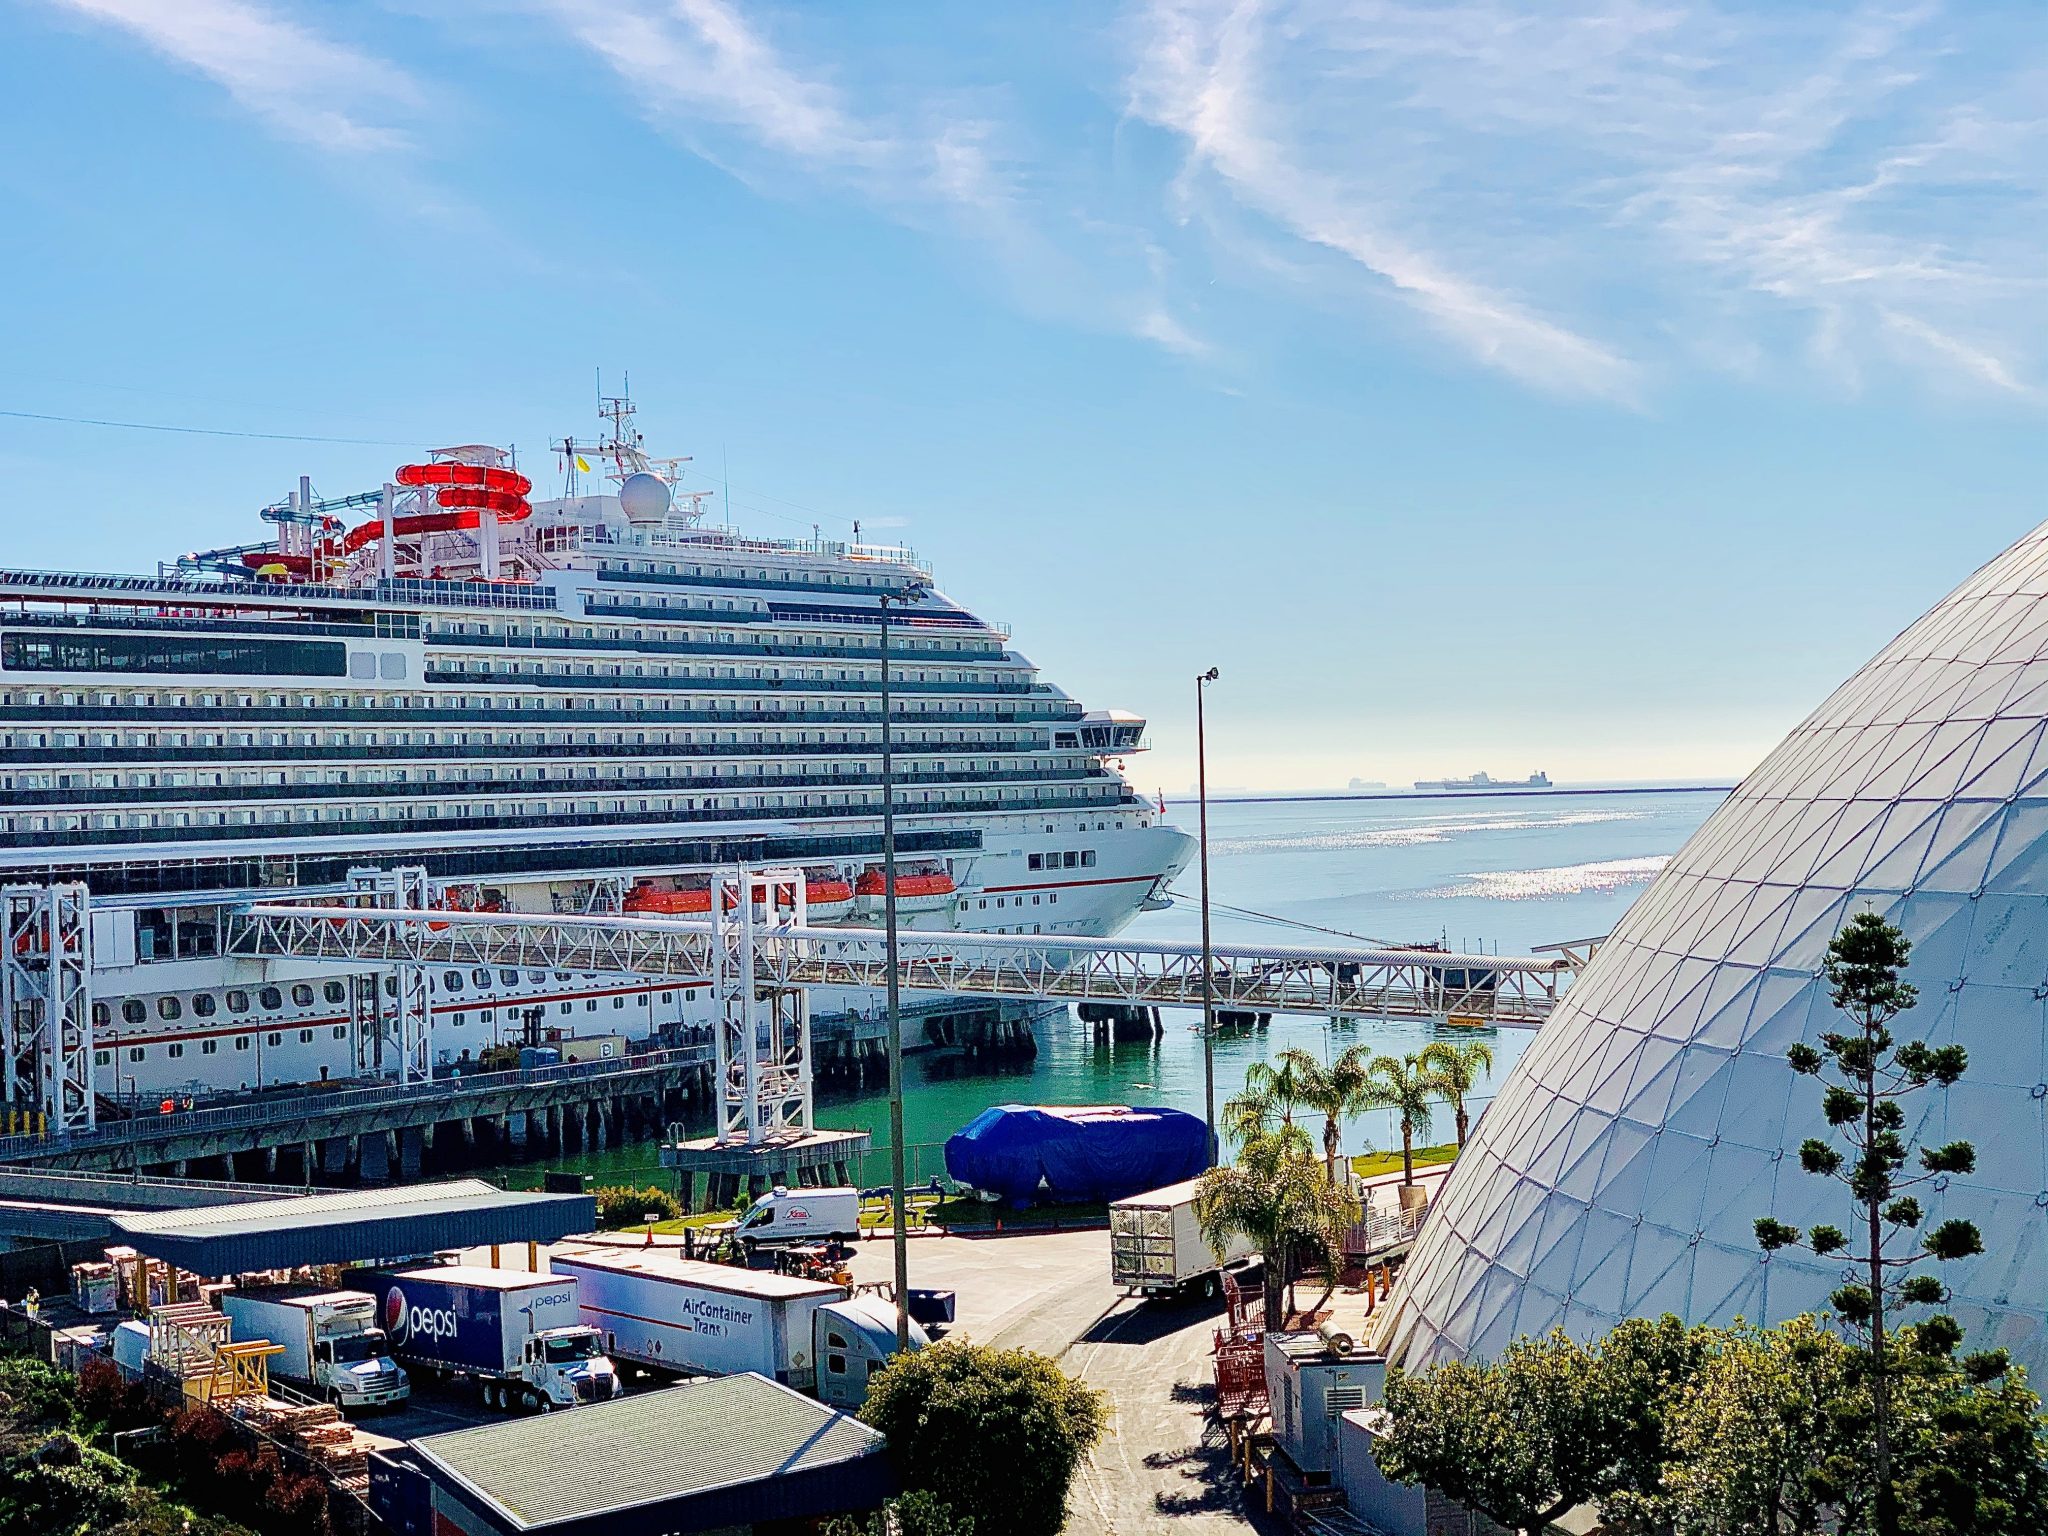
[{"x": 353, "y": 1226}]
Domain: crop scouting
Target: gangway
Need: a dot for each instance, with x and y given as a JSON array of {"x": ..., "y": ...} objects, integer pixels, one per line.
[{"x": 1511, "y": 991}]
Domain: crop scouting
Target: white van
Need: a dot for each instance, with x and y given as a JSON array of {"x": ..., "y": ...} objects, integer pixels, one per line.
[{"x": 801, "y": 1216}]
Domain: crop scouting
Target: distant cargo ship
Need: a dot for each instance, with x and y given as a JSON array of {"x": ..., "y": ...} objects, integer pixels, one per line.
[{"x": 1537, "y": 780}]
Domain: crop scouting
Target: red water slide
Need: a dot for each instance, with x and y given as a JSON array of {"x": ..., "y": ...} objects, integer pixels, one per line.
[{"x": 465, "y": 490}]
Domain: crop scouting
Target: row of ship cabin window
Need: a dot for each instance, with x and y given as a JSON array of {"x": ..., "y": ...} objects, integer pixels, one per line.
[
  {"x": 1071, "y": 859},
  {"x": 270, "y": 999},
  {"x": 176, "y": 1048}
]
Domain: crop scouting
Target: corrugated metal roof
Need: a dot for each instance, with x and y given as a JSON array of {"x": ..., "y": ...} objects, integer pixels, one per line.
[
  {"x": 353, "y": 1226},
  {"x": 660, "y": 1448},
  {"x": 668, "y": 1264}
]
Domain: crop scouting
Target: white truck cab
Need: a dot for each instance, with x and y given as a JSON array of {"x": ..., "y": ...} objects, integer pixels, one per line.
[
  {"x": 566, "y": 1366},
  {"x": 801, "y": 1216},
  {"x": 331, "y": 1344}
]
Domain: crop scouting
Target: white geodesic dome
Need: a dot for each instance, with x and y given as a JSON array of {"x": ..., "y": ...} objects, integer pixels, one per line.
[{"x": 1621, "y": 1169}]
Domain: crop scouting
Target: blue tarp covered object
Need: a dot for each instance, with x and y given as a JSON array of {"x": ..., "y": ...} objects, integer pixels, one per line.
[{"x": 1026, "y": 1152}]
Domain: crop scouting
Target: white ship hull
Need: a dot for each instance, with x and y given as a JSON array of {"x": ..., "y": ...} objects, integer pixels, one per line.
[{"x": 544, "y": 705}]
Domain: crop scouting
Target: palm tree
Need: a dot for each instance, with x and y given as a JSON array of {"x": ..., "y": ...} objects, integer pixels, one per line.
[
  {"x": 1457, "y": 1068},
  {"x": 1333, "y": 1091},
  {"x": 1411, "y": 1089},
  {"x": 1279, "y": 1082},
  {"x": 1278, "y": 1198}
]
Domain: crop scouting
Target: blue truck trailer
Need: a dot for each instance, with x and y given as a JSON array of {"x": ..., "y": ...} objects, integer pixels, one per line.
[{"x": 519, "y": 1336}]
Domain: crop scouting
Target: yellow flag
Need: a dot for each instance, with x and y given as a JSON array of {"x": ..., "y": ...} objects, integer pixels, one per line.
[{"x": 582, "y": 463}]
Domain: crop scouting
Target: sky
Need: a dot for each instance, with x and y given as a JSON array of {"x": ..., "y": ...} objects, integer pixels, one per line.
[{"x": 1477, "y": 386}]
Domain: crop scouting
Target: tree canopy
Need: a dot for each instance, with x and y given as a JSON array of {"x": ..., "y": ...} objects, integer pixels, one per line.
[
  {"x": 1278, "y": 1197},
  {"x": 994, "y": 1436},
  {"x": 1739, "y": 1431}
]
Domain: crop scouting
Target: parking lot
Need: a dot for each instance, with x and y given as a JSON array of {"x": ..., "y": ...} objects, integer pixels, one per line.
[{"x": 1049, "y": 1292}]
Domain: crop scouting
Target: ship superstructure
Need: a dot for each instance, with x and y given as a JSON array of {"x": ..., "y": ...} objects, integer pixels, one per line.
[{"x": 584, "y": 703}]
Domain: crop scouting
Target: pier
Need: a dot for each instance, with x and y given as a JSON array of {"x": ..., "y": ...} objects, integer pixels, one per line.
[
  {"x": 753, "y": 1080},
  {"x": 387, "y": 1133}
]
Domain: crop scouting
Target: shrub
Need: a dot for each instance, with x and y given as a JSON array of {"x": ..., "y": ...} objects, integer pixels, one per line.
[
  {"x": 36, "y": 1392},
  {"x": 58, "y": 1487},
  {"x": 915, "y": 1514},
  {"x": 298, "y": 1505},
  {"x": 626, "y": 1205},
  {"x": 994, "y": 1435},
  {"x": 108, "y": 1398}
]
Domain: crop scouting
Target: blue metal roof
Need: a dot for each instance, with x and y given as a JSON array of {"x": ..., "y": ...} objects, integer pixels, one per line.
[{"x": 352, "y": 1226}]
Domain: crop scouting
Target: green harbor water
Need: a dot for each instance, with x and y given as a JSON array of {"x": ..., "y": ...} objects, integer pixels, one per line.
[{"x": 1503, "y": 872}]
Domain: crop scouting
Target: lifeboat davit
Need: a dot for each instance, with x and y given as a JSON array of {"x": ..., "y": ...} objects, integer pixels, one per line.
[{"x": 923, "y": 890}]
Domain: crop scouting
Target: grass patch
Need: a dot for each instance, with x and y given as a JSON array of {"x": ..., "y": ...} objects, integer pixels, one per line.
[
  {"x": 963, "y": 1213},
  {"x": 1369, "y": 1165}
]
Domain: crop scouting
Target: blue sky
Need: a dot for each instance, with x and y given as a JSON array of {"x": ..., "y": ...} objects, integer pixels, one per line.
[{"x": 1589, "y": 392}]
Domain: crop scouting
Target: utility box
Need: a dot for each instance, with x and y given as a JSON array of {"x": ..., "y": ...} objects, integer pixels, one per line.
[
  {"x": 1312, "y": 1387},
  {"x": 1397, "y": 1509},
  {"x": 591, "y": 1048}
]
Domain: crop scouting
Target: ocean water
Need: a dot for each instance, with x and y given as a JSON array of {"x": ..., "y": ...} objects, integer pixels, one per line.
[{"x": 1499, "y": 874}]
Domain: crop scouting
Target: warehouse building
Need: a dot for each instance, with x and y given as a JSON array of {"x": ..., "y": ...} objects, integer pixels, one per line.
[{"x": 731, "y": 1454}]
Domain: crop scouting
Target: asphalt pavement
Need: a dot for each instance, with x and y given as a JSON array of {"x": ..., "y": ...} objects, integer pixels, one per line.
[{"x": 1158, "y": 1469}]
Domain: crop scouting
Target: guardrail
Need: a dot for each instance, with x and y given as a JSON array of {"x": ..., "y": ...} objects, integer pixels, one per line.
[
  {"x": 144, "y": 1128},
  {"x": 1376, "y": 1234}
]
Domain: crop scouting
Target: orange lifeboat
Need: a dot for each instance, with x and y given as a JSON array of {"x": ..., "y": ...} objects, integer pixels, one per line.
[
  {"x": 920, "y": 890},
  {"x": 652, "y": 901},
  {"x": 827, "y": 897}
]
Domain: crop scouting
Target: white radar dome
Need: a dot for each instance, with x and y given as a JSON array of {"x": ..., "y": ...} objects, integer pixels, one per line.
[{"x": 645, "y": 498}]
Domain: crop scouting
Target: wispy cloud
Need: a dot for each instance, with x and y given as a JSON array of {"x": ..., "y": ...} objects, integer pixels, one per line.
[
  {"x": 303, "y": 85},
  {"x": 699, "y": 61},
  {"x": 1564, "y": 192},
  {"x": 709, "y": 72},
  {"x": 1200, "y": 75}
]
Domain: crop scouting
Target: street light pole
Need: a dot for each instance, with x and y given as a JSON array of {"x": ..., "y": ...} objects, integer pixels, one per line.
[
  {"x": 1208, "y": 970},
  {"x": 897, "y": 1198}
]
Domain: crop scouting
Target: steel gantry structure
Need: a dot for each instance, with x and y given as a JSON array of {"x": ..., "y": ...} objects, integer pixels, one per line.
[{"x": 1512, "y": 991}]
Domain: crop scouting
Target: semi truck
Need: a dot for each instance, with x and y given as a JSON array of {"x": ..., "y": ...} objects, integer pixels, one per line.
[
  {"x": 517, "y": 1335},
  {"x": 1156, "y": 1246},
  {"x": 659, "y": 1309},
  {"x": 332, "y": 1345}
]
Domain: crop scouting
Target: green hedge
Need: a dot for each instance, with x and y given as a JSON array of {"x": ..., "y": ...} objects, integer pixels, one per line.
[{"x": 625, "y": 1205}]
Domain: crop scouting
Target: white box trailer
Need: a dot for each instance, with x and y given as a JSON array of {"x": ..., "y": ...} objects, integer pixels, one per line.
[
  {"x": 1156, "y": 1246},
  {"x": 332, "y": 1344},
  {"x": 657, "y": 1308}
]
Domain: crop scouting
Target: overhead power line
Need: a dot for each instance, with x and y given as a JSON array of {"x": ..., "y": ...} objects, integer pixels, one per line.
[
  {"x": 156, "y": 426},
  {"x": 1276, "y": 920}
]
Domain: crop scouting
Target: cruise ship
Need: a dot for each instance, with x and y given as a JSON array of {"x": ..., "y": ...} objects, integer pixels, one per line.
[{"x": 584, "y": 703}]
